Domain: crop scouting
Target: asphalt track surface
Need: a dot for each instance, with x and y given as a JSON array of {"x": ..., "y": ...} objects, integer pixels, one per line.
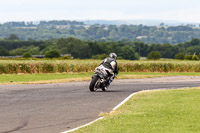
[{"x": 54, "y": 108}]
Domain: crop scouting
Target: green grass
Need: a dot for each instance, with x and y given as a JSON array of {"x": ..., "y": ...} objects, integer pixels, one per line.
[
  {"x": 161, "y": 74},
  {"x": 31, "y": 78},
  {"x": 66, "y": 77},
  {"x": 161, "y": 111}
]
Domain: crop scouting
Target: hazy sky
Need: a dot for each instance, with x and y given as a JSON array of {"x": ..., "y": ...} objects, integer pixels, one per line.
[{"x": 34, "y": 10}]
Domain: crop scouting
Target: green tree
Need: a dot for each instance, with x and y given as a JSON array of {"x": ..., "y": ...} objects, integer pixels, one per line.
[
  {"x": 188, "y": 57},
  {"x": 195, "y": 57},
  {"x": 19, "y": 51},
  {"x": 179, "y": 56},
  {"x": 155, "y": 55},
  {"x": 3, "y": 51},
  {"x": 27, "y": 55},
  {"x": 13, "y": 37},
  {"x": 194, "y": 42},
  {"x": 128, "y": 53},
  {"x": 52, "y": 54},
  {"x": 191, "y": 57},
  {"x": 193, "y": 49},
  {"x": 113, "y": 35},
  {"x": 100, "y": 33},
  {"x": 77, "y": 48}
]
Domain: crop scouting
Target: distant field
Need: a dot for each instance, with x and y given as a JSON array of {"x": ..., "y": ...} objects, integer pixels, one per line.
[
  {"x": 60, "y": 66},
  {"x": 160, "y": 111}
]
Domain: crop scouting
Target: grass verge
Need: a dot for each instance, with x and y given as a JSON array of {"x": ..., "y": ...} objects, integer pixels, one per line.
[
  {"x": 67, "y": 77},
  {"x": 43, "y": 78},
  {"x": 160, "y": 111}
]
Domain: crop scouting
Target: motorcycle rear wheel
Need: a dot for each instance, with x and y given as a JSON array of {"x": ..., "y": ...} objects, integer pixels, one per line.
[{"x": 93, "y": 83}]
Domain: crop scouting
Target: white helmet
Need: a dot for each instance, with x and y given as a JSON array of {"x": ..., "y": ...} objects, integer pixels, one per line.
[{"x": 113, "y": 55}]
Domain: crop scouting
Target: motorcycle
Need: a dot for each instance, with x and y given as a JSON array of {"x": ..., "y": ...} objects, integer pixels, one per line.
[{"x": 100, "y": 79}]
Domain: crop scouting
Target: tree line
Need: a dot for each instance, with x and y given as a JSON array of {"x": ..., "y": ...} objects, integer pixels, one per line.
[
  {"x": 45, "y": 30},
  {"x": 95, "y": 49}
]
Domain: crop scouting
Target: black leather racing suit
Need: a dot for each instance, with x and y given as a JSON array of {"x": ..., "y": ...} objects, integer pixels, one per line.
[{"x": 111, "y": 65}]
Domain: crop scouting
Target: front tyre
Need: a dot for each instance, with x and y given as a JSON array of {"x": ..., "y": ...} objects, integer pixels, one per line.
[
  {"x": 103, "y": 89},
  {"x": 93, "y": 83}
]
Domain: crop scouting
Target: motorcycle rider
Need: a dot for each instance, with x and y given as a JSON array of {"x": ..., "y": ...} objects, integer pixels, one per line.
[{"x": 110, "y": 65}]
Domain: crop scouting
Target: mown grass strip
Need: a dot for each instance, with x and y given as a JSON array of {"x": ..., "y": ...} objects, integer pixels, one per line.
[
  {"x": 67, "y": 77},
  {"x": 43, "y": 78},
  {"x": 160, "y": 111}
]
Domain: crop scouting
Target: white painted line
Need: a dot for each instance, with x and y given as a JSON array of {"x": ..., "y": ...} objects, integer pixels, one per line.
[
  {"x": 125, "y": 100},
  {"x": 116, "y": 107},
  {"x": 82, "y": 125}
]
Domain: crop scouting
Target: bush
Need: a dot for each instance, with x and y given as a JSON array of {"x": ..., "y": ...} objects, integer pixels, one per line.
[
  {"x": 188, "y": 57},
  {"x": 120, "y": 58},
  {"x": 52, "y": 54},
  {"x": 129, "y": 53},
  {"x": 67, "y": 57},
  {"x": 191, "y": 57},
  {"x": 154, "y": 55},
  {"x": 179, "y": 56},
  {"x": 27, "y": 55},
  {"x": 195, "y": 57},
  {"x": 3, "y": 51},
  {"x": 100, "y": 56}
]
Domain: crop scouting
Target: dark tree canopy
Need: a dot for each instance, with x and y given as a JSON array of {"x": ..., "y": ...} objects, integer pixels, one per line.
[{"x": 82, "y": 49}]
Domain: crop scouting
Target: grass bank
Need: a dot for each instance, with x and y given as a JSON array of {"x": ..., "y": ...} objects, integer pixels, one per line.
[
  {"x": 160, "y": 111},
  {"x": 67, "y": 77}
]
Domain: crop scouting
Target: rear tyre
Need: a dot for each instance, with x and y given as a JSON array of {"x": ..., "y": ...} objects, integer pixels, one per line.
[{"x": 93, "y": 83}]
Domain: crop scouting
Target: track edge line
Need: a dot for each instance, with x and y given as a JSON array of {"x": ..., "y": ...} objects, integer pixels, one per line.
[{"x": 116, "y": 107}]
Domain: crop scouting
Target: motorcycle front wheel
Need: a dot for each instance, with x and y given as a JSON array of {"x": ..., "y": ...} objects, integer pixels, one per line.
[{"x": 93, "y": 83}]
